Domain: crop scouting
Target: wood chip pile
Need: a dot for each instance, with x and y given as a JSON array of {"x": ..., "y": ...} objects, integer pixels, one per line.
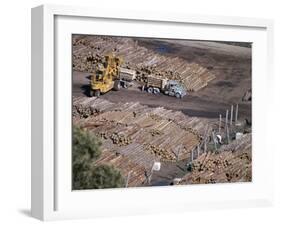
[
  {"x": 89, "y": 51},
  {"x": 233, "y": 163}
]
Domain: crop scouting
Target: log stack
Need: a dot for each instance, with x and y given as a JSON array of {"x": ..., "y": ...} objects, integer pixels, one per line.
[
  {"x": 125, "y": 166},
  {"x": 89, "y": 51},
  {"x": 140, "y": 132},
  {"x": 232, "y": 163}
]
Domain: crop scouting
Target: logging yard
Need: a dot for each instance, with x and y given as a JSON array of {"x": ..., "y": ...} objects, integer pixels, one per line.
[{"x": 165, "y": 112}]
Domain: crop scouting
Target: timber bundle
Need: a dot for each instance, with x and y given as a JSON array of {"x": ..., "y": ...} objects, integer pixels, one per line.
[
  {"x": 138, "y": 132},
  {"x": 89, "y": 51},
  {"x": 233, "y": 163}
]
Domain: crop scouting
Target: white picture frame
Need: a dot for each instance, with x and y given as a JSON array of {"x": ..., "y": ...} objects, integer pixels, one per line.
[{"x": 52, "y": 197}]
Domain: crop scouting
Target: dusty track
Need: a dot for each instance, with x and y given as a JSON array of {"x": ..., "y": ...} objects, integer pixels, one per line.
[
  {"x": 231, "y": 65},
  {"x": 192, "y": 105}
]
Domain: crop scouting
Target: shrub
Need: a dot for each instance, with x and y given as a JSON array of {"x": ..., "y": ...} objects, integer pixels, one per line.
[
  {"x": 103, "y": 176},
  {"x": 85, "y": 175}
]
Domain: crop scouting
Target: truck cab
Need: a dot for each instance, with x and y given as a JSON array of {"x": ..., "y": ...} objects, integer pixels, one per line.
[{"x": 174, "y": 88}]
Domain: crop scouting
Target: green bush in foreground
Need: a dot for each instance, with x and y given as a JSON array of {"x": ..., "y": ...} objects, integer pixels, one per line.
[
  {"x": 86, "y": 149},
  {"x": 103, "y": 176}
]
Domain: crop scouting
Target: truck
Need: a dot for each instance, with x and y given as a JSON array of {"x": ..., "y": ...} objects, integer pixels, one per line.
[
  {"x": 126, "y": 77},
  {"x": 111, "y": 76},
  {"x": 156, "y": 85}
]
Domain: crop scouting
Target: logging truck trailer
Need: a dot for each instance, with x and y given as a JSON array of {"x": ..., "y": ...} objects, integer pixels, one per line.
[
  {"x": 156, "y": 85},
  {"x": 126, "y": 77}
]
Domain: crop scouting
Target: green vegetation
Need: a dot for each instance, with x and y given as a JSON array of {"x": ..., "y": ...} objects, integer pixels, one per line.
[{"x": 85, "y": 175}]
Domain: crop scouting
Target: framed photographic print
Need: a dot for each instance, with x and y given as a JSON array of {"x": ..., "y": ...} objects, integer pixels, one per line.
[{"x": 136, "y": 112}]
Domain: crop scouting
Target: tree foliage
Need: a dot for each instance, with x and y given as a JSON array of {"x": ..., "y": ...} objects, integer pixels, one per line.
[
  {"x": 103, "y": 176},
  {"x": 86, "y": 175}
]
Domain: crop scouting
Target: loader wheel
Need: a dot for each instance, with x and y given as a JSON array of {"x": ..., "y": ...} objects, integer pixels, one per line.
[
  {"x": 116, "y": 85},
  {"x": 91, "y": 93},
  {"x": 97, "y": 93}
]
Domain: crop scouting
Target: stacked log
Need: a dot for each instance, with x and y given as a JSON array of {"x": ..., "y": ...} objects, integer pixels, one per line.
[
  {"x": 145, "y": 134},
  {"x": 89, "y": 51},
  {"x": 125, "y": 166},
  {"x": 232, "y": 163}
]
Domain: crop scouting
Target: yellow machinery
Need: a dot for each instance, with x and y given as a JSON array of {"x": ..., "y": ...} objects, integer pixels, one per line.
[{"x": 106, "y": 77}]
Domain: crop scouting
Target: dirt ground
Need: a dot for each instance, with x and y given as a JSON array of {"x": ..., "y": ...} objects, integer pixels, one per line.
[{"x": 231, "y": 65}]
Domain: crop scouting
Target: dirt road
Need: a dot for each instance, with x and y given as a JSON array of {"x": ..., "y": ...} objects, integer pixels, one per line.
[
  {"x": 230, "y": 64},
  {"x": 192, "y": 105}
]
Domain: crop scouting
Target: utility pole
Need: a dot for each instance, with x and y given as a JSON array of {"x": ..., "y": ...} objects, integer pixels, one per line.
[
  {"x": 231, "y": 115},
  {"x": 227, "y": 134},
  {"x": 226, "y": 119},
  {"x": 236, "y": 114}
]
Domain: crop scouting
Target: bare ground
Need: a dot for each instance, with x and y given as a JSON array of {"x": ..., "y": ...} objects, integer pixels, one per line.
[{"x": 231, "y": 65}]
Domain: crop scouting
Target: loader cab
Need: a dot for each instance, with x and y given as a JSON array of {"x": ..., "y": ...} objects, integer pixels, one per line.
[{"x": 97, "y": 78}]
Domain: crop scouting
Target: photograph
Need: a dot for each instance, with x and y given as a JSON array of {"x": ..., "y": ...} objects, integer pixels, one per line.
[{"x": 152, "y": 112}]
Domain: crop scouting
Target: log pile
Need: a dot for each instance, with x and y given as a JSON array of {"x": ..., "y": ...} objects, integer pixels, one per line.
[
  {"x": 140, "y": 132},
  {"x": 233, "y": 163},
  {"x": 89, "y": 51},
  {"x": 125, "y": 166}
]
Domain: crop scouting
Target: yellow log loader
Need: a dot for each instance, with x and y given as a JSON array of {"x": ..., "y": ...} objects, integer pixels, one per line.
[{"x": 106, "y": 76}]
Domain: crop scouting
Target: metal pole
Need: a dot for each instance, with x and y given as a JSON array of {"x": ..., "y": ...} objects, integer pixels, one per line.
[
  {"x": 236, "y": 114},
  {"x": 192, "y": 155},
  {"x": 198, "y": 150},
  {"x": 227, "y": 134},
  {"x": 220, "y": 124},
  {"x": 226, "y": 119},
  {"x": 231, "y": 114}
]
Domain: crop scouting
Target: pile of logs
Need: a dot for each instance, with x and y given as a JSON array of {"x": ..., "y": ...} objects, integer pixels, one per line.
[
  {"x": 120, "y": 139},
  {"x": 81, "y": 111},
  {"x": 233, "y": 163},
  {"x": 133, "y": 173},
  {"x": 145, "y": 134},
  {"x": 88, "y": 51},
  {"x": 162, "y": 153}
]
